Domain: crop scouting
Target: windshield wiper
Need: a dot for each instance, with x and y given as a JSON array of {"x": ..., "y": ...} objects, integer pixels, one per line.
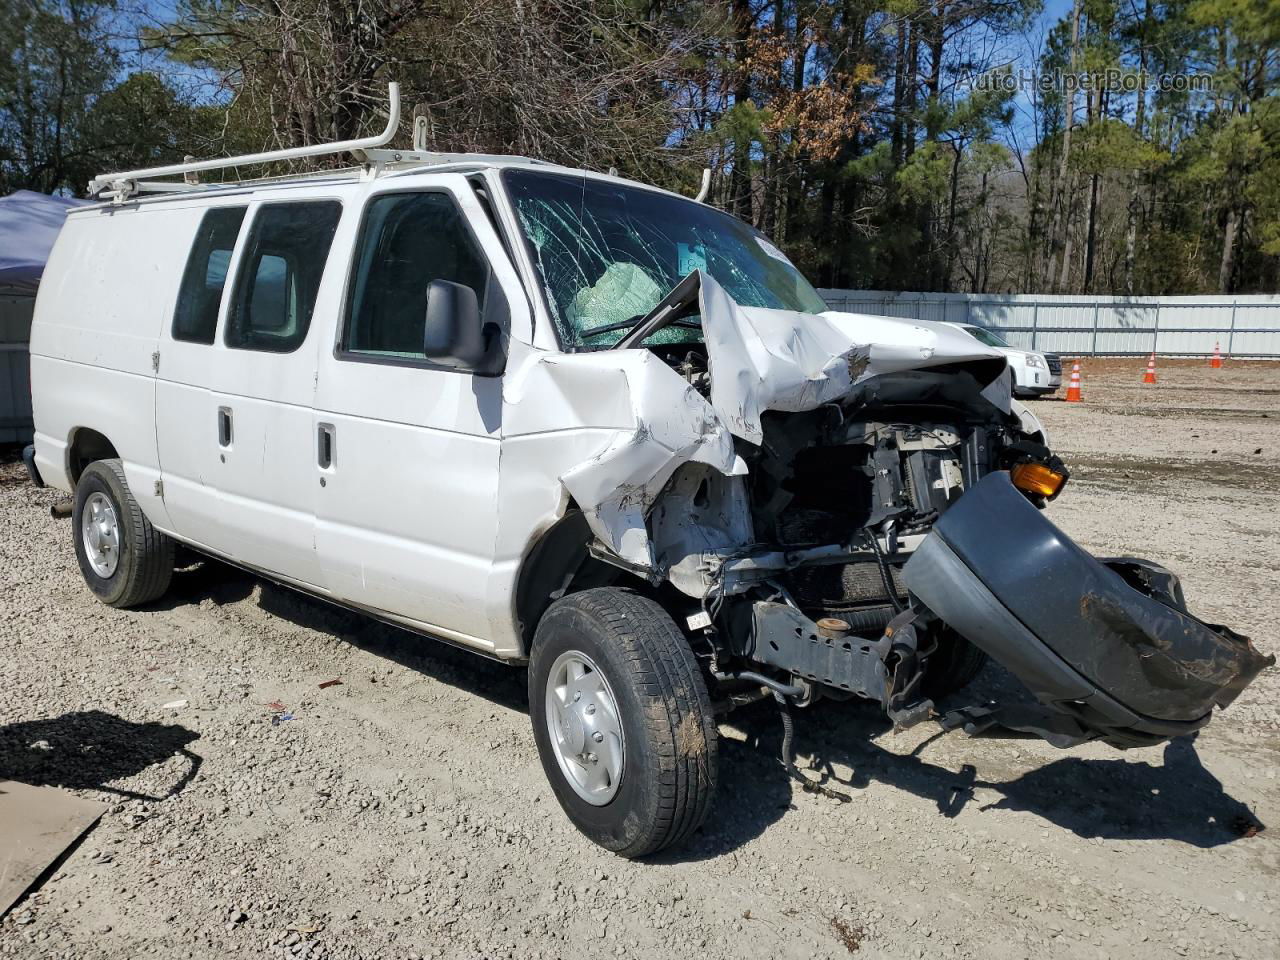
[
  {"x": 610, "y": 327},
  {"x": 628, "y": 324},
  {"x": 679, "y": 303}
]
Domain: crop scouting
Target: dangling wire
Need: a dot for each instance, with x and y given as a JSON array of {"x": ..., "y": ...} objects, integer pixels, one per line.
[{"x": 886, "y": 578}]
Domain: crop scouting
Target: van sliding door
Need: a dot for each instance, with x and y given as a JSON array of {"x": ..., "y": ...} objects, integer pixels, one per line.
[{"x": 262, "y": 379}]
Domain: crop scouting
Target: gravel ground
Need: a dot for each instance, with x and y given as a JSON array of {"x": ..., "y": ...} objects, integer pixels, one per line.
[{"x": 403, "y": 812}]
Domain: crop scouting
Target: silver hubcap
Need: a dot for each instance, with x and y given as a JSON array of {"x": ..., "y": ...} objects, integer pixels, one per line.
[
  {"x": 101, "y": 532},
  {"x": 586, "y": 731}
]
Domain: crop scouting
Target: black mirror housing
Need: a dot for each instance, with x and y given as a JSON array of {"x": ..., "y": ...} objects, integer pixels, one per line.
[{"x": 454, "y": 329}]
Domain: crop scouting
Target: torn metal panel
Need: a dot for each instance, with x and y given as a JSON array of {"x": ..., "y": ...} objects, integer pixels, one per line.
[
  {"x": 659, "y": 422},
  {"x": 790, "y": 362},
  {"x": 701, "y": 513},
  {"x": 759, "y": 360},
  {"x": 1031, "y": 424}
]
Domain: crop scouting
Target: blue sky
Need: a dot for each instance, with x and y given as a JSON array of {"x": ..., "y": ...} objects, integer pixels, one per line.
[{"x": 153, "y": 12}]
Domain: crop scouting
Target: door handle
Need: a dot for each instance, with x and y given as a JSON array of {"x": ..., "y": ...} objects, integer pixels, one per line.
[
  {"x": 325, "y": 437},
  {"x": 224, "y": 426}
]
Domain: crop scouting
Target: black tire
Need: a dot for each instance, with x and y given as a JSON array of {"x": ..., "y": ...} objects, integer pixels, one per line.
[
  {"x": 668, "y": 773},
  {"x": 951, "y": 667},
  {"x": 144, "y": 565}
]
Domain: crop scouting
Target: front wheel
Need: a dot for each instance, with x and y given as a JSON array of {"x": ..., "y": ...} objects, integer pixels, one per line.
[
  {"x": 952, "y": 666},
  {"x": 622, "y": 720}
]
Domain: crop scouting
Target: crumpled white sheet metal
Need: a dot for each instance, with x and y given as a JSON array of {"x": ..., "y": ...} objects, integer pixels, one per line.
[
  {"x": 653, "y": 422},
  {"x": 781, "y": 360},
  {"x": 759, "y": 360},
  {"x": 771, "y": 360},
  {"x": 674, "y": 425}
]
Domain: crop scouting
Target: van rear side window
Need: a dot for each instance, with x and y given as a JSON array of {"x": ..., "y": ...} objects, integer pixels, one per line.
[
  {"x": 196, "y": 315},
  {"x": 279, "y": 275}
]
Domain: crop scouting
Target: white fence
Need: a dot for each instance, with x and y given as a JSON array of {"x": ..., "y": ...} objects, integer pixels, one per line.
[{"x": 1111, "y": 326}]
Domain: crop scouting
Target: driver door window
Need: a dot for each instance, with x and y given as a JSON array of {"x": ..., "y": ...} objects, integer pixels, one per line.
[{"x": 406, "y": 241}]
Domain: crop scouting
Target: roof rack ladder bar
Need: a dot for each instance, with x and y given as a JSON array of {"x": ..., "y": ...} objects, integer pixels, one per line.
[{"x": 122, "y": 180}]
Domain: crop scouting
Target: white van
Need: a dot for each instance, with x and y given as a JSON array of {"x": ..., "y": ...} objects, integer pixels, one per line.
[{"x": 582, "y": 424}]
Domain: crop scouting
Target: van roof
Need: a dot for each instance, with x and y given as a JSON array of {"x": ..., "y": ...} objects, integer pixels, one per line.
[
  {"x": 386, "y": 164},
  {"x": 378, "y": 161}
]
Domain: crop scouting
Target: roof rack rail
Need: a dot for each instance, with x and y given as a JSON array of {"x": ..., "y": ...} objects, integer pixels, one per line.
[{"x": 125, "y": 183}]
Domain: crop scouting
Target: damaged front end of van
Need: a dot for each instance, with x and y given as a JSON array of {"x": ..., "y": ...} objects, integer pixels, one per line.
[{"x": 849, "y": 506}]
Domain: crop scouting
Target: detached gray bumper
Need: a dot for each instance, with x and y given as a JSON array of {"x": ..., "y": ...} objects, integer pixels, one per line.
[{"x": 1108, "y": 645}]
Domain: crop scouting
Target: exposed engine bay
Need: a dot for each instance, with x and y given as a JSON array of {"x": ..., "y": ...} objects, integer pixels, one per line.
[
  {"x": 879, "y": 530},
  {"x": 838, "y": 499}
]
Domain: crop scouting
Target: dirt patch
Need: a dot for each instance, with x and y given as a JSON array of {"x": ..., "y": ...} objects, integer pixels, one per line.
[
  {"x": 849, "y": 935},
  {"x": 12, "y": 472},
  {"x": 1121, "y": 367},
  {"x": 1181, "y": 415},
  {"x": 405, "y": 813},
  {"x": 690, "y": 738},
  {"x": 1120, "y": 472}
]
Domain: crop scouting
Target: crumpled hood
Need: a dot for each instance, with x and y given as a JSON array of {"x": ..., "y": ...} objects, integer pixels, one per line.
[
  {"x": 759, "y": 360},
  {"x": 788, "y": 361}
]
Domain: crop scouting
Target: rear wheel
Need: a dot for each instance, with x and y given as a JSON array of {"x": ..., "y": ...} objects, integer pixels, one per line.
[
  {"x": 124, "y": 559},
  {"x": 622, "y": 720}
]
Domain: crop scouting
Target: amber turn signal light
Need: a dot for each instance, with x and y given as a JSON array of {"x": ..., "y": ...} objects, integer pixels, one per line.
[{"x": 1037, "y": 479}]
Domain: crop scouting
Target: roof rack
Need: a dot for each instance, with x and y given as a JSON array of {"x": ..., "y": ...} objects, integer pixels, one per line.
[{"x": 126, "y": 183}]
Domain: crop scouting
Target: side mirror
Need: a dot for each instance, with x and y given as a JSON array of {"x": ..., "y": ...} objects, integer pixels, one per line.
[{"x": 454, "y": 330}]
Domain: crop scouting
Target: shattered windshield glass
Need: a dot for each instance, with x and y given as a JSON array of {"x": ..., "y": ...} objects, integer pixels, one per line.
[{"x": 607, "y": 253}]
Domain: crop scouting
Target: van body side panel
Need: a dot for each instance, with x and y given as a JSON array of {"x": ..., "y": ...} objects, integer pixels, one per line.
[
  {"x": 186, "y": 424},
  {"x": 408, "y": 515},
  {"x": 559, "y": 412},
  {"x": 106, "y": 294},
  {"x": 185, "y": 412},
  {"x": 530, "y": 500},
  {"x": 252, "y": 499}
]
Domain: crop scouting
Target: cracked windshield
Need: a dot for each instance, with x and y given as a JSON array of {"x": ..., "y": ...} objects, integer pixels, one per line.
[{"x": 608, "y": 253}]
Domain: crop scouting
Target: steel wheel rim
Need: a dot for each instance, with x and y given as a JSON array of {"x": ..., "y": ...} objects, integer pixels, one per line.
[
  {"x": 100, "y": 531},
  {"x": 585, "y": 728}
]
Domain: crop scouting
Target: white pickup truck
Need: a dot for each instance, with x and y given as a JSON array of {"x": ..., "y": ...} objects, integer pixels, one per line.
[{"x": 592, "y": 427}]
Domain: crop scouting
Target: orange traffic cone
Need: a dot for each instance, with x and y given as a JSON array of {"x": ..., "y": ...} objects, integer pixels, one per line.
[
  {"x": 1216, "y": 362},
  {"x": 1150, "y": 375},
  {"x": 1073, "y": 388}
]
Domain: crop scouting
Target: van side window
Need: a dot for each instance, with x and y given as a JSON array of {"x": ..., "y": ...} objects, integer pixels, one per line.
[
  {"x": 196, "y": 315},
  {"x": 279, "y": 275},
  {"x": 406, "y": 241}
]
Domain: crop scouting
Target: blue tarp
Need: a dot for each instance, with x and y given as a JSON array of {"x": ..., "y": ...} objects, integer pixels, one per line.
[{"x": 29, "y": 223}]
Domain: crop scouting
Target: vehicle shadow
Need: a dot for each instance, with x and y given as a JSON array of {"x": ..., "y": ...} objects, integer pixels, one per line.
[
  {"x": 198, "y": 578},
  {"x": 206, "y": 578},
  {"x": 1118, "y": 799},
  {"x": 499, "y": 683},
  {"x": 1121, "y": 799},
  {"x": 752, "y": 790},
  {"x": 90, "y": 749}
]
